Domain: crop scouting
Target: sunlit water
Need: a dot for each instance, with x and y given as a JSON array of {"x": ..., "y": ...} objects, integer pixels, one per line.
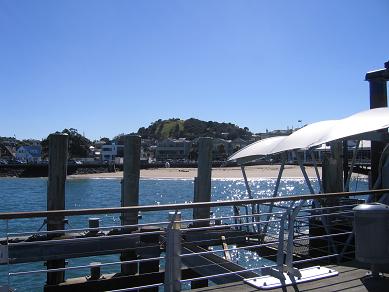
[{"x": 30, "y": 195}]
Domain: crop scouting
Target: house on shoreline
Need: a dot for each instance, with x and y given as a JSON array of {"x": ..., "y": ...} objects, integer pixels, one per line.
[{"x": 29, "y": 154}]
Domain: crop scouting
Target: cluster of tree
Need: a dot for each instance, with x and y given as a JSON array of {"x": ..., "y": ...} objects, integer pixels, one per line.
[
  {"x": 78, "y": 144},
  {"x": 158, "y": 130},
  {"x": 193, "y": 128},
  {"x": 17, "y": 143}
]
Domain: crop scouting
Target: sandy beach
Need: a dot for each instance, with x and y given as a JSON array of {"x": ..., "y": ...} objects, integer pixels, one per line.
[{"x": 253, "y": 172}]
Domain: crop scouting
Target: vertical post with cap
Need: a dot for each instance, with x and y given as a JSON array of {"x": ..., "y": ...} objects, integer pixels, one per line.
[
  {"x": 172, "y": 281},
  {"x": 378, "y": 98},
  {"x": 58, "y": 154}
]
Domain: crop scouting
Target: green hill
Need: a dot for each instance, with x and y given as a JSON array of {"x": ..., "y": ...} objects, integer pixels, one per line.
[{"x": 191, "y": 129}]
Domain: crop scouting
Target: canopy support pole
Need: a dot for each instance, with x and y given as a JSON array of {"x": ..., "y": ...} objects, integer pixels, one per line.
[
  {"x": 246, "y": 182},
  {"x": 282, "y": 167},
  {"x": 304, "y": 173},
  {"x": 253, "y": 206}
]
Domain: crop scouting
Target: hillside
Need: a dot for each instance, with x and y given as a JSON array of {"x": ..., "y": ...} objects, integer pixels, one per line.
[{"x": 191, "y": 129}]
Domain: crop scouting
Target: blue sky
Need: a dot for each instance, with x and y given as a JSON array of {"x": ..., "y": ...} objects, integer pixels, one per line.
[{"x": 110, "y": 67}]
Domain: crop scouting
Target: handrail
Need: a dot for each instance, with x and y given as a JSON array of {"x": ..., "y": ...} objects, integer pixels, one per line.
[
  {"x": 292, "y": 238},
  {"x": 74, "y": 212}
]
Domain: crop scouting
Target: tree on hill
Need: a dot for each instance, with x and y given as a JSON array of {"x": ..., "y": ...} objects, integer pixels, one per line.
[
  {"x": 78, "y": 144},
  {"x": 105, "y": 140},
  {"x": 193, "y": 128}
]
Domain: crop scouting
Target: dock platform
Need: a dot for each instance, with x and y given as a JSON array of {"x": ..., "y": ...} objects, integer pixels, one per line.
[{"x": 352, "y": 277}]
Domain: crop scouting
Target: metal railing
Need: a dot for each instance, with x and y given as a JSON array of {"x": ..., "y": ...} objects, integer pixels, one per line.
[{"x": 297, "y": 235}]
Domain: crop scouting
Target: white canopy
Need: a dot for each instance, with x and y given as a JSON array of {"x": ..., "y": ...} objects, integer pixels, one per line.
[
  {"x": 256, "y": 150},
  {"x": 316, "y": 134},
  {"x": 359, "y": 123},
  {"x": 304, "y": 137}
]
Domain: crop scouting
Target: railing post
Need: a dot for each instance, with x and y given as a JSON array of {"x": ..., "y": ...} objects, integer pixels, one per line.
[
  {"x": 173, "y": 253},
  {"x": 4, "y": 259}
]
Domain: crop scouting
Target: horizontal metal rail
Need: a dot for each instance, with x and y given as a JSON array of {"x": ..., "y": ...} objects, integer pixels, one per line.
[
  {"x": 108, "y": 228},
  {"x": 76, "y": 212},
  {"x": 83, "y": 267},
  {"x": 300, "y": 235}
]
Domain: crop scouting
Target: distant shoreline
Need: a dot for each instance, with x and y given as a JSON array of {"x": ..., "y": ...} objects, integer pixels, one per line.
[
  {"x": 253, "y": 172},
  {"x": 256, "y": 172}
]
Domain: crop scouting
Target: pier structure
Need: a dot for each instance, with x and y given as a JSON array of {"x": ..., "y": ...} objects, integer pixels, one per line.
[
  {"x": 286, "y": 245},
  {"x": 300, "y": 235}
]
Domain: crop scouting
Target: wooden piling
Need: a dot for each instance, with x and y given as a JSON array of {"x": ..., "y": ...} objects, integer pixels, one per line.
[
  {"x": 58, "y": 154},
  {"x": 332, "y": 176},
  {"x": 131, "y": 174},
  {"x": 332, "y": 172},
  {"x": 333, "y": 169},
  {"x": 204, "y": 172},
  {"x": 202, "y": 191},
  {"x": 130, "y": 195}
]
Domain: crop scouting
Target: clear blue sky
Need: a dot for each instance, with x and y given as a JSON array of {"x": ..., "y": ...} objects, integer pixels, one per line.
[{"x": 110, "y": 67}]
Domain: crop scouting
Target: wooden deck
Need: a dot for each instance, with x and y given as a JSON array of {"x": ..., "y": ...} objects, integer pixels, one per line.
[{"x": 352, "y": 277}]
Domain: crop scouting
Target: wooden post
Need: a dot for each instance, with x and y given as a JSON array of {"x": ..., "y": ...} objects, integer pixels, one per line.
[
  {"x": 333, "y": 170},
  {"x": 58, "y": 154},
  {"x": 131, "y": 174},
  {"x": 130, "y": 195},
  {"x": 202, "y": 191},
  {"x": 378, "y": 98},
  {"x": 204, "y": 171},
  {"x": 332, "y": 178}
]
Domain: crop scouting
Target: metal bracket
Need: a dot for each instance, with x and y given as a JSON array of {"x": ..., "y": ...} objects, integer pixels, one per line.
[
  {"x": 273, "y": 273},
  {"x": 3, "y": 254}
]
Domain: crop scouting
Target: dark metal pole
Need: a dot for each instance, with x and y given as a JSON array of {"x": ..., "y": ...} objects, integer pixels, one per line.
[
  {"x": 58, "y": 153},
  {"x": 378, "y": 98}
]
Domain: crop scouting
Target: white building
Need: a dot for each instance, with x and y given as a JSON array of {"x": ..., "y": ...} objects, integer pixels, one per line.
[
  {"x": 29, "y": 154},
  {"x": 110, "y": 151}
]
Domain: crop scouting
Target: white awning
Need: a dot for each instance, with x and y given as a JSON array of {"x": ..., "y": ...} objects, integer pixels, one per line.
[
  {"x": 316, "y": 134},
  {"x": 359, "y": 123},
  {"x": 305, "y": 137},
  {"x": 256, "y": 150}
]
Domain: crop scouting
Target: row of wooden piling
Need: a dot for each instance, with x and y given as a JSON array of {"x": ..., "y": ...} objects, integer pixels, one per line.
[{"x": 58, "y": 153}]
